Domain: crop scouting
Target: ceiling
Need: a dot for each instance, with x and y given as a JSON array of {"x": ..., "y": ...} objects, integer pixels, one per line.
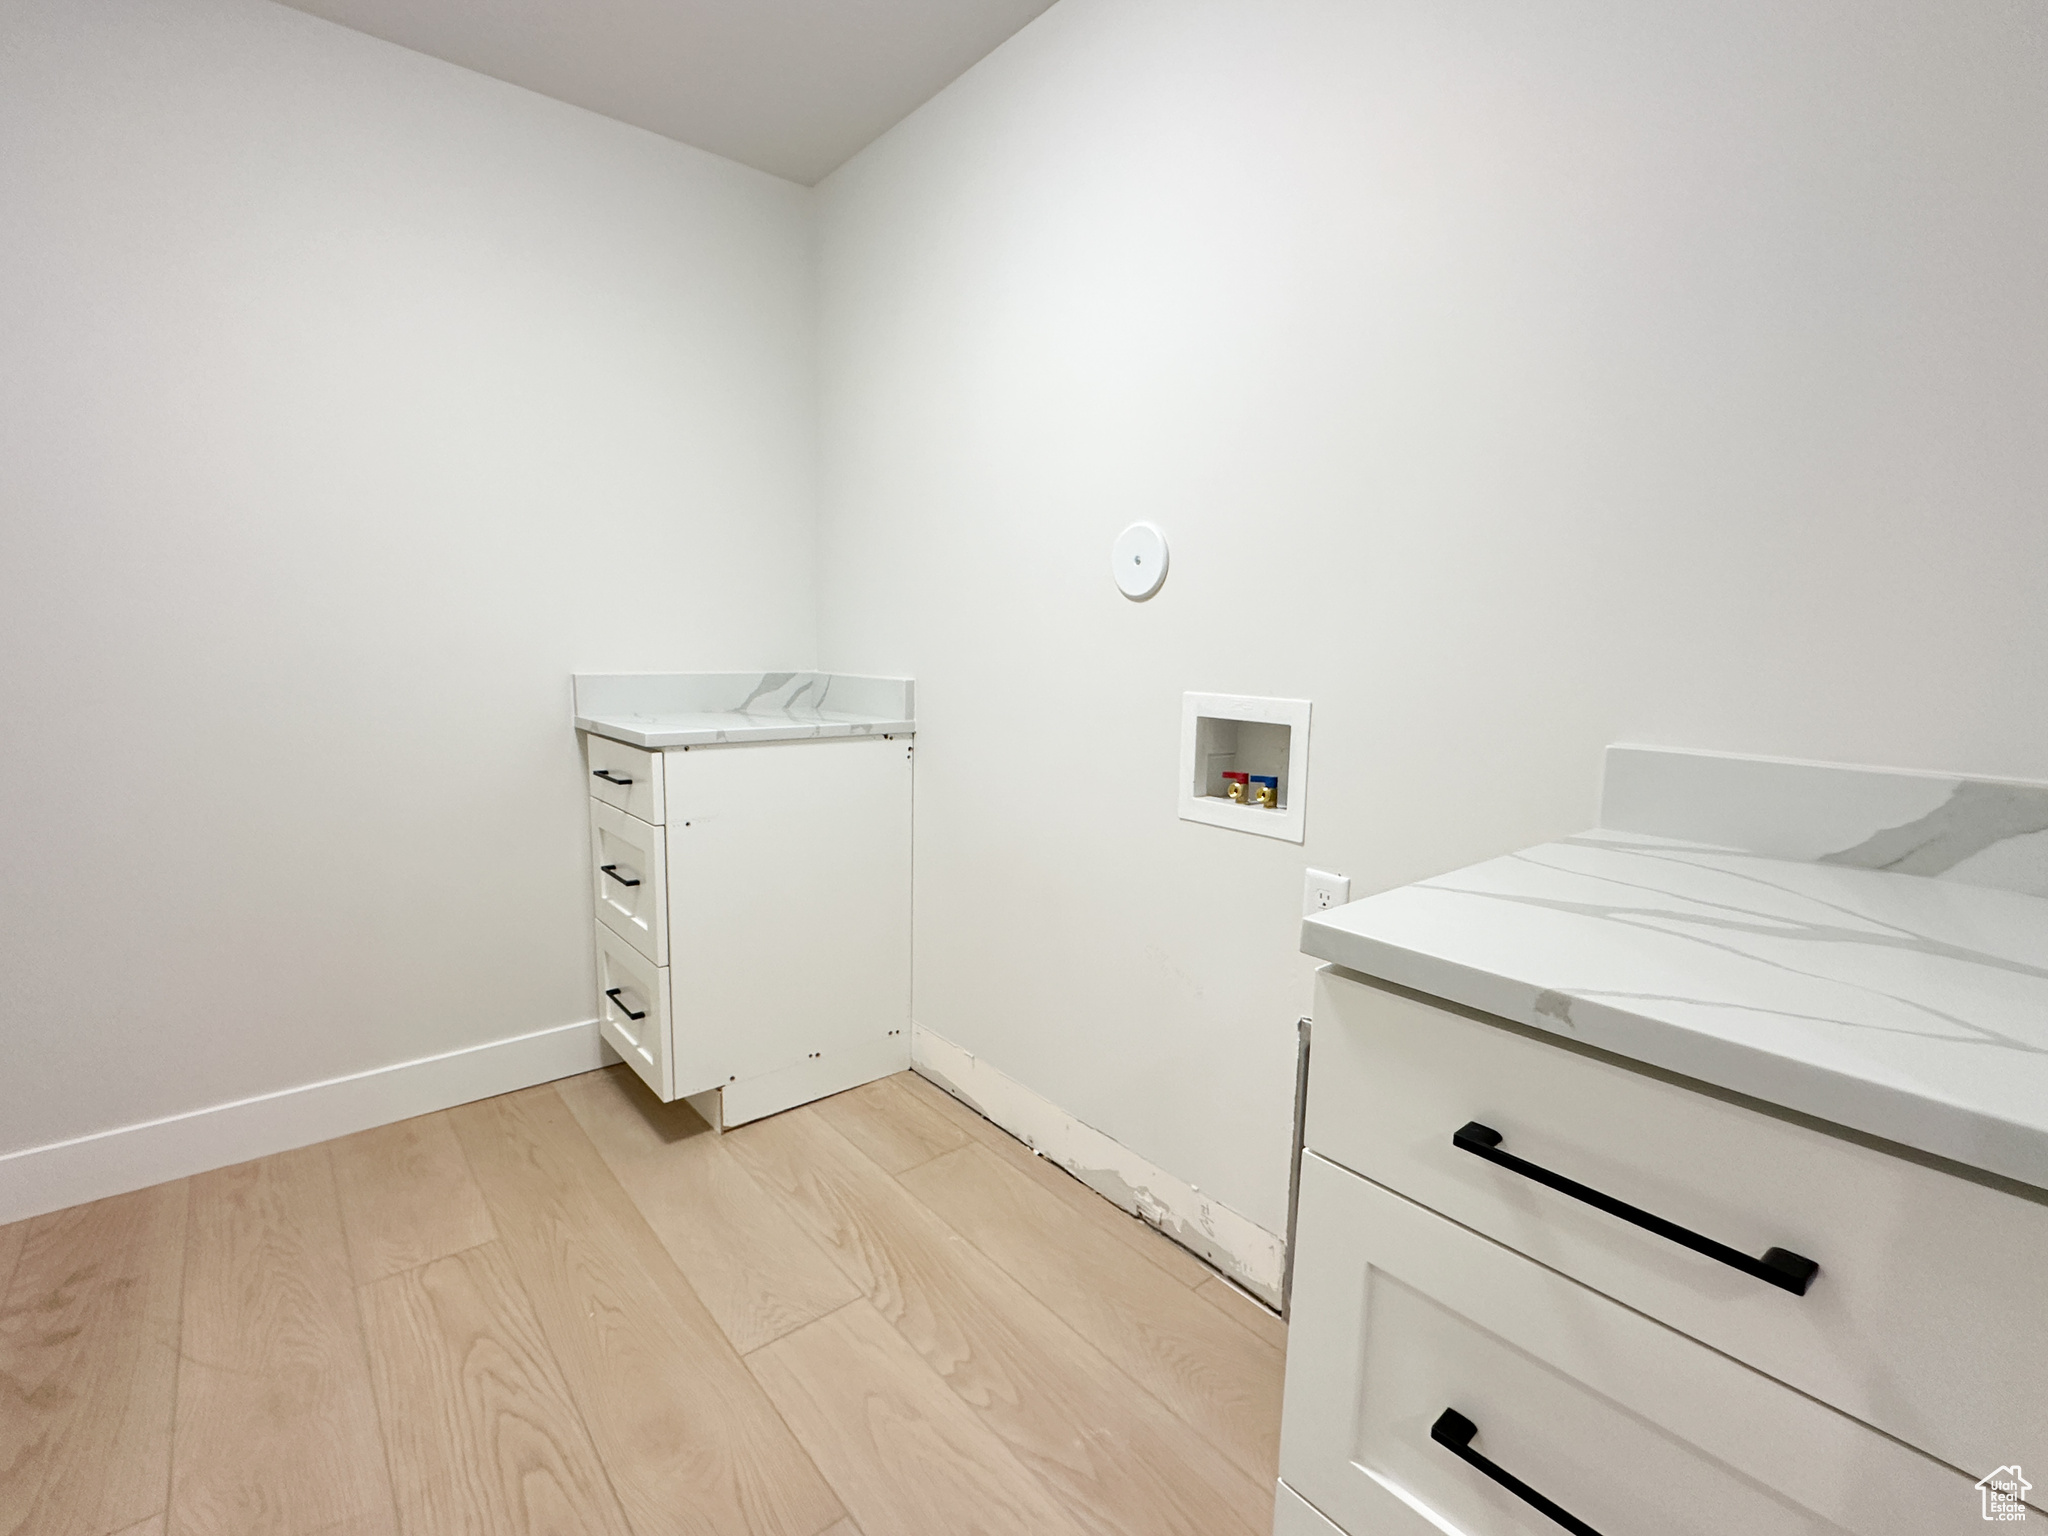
[{"x": 794, "y": 87}]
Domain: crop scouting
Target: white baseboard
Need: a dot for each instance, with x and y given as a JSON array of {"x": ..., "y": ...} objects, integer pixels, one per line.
[
  {"x": 48, "y": 1178},
  {"x": 1234, "y": 1244}
]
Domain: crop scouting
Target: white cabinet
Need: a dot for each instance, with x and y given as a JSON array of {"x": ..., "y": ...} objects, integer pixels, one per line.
[
  {"x": 761, "y": 930},
  {"x": 1418, "y": 1346},
  {"x": 629, "y": 878},
  {"x": 627, "y": 778},
  {"x": 633, "y": 1008},
  {"x": 1295, "y": 1516},
  {"x": 1553, "y": 1298},
  {"x": 1927, "y": 1317}
]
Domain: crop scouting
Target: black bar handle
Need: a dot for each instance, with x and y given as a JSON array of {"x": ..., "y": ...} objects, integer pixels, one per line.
[
  {"x": 1781, "y": 1267},
  {"x": 613, "y": 871},
  {"x": 613, "y": 994},
  {"x": 606, "y": 775},
  {"x": 1454, "y": 1432}
]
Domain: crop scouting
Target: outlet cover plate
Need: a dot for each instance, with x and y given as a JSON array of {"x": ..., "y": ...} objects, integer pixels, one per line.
[{"x": 1322, "y": 891}]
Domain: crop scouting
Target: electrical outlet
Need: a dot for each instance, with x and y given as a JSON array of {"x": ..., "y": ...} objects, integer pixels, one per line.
[{"x": 1323, "y": 890}]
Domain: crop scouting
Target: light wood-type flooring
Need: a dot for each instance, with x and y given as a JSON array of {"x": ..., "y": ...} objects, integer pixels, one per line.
[{"x": 575, "y": 1310}]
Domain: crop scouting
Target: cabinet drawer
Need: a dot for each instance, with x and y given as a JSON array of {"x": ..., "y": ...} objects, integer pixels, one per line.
[
  {"x": 1926, "y": 1317},
  {"x": 1400, "y": 1315},
  {"x": 633, "y": 1009},
  {"x": 626, "y": 778},
  {"x": 1295, "y": 1516},
  {"x": 629, "y": 878}
]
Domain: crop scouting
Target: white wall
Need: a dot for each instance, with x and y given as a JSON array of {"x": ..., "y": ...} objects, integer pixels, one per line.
[
  {"x": 1511, "y": 380},
  {"x": 348, "y": 402}
]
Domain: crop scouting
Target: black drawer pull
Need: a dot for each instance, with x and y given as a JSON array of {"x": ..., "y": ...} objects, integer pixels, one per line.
[
  {"x": 1779, "y": 1266},
  {"x": 606, "y": 775},
  {"x": 613, "y": 994},
  {"x": 613, "y": 871},
  {"x": 1454, "y": 1432}
]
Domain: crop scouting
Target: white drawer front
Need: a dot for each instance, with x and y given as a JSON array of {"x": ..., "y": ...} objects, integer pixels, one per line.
[
  {"x": 1295, "y": 1516},
  {"x": 1929, "y": 1314},
  {"x": 1631, "y": 1428},
  {"x": 629, "y": 878},
  {"x": 633, "y": 1009},
  {"x": 626, "y": 778}
]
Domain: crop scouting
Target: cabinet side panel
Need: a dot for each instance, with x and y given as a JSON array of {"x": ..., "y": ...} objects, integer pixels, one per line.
[{"x": 789, "y": 903}]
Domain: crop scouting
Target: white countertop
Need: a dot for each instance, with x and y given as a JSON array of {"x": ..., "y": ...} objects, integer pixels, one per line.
[
  {"x": 702, "y": 709},
  {"x": 707, "y": 729},
  {"x": 1909, "y": 1008}
]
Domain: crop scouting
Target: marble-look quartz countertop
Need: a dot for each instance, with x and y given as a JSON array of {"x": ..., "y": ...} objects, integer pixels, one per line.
[
  {"x": 703, "y": 730},
  {"x": 701, "y": 709},
  {"x": 1908, "y": 1008}
]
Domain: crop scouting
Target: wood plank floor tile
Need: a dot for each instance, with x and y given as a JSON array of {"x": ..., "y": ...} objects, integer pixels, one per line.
[
  {"x": 905, "y": 1454},
  {"x": 88, "y": 1364},
  {"x": 690, "y": 1441},
  {"x": 276, "y": 1428},
  {"x": 748, "y": 1261},
  {"x": 1215, "y": 1374},
  {"x": 564, "y": 1374},
  {"x": 1142, "y": 1239},
  {"x": 484, "y": 1439},
  {"x": 892, "y": 1125},
  {"x": 407, "y": 1197},
  {"x": 1240, "y": 1308},
  {"x": 1117, "y": 1461},
  {"x": 12, "y": 1236}
]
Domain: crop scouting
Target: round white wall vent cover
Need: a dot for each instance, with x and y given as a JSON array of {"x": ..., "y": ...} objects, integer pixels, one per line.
[{"x": 1138, "y": 561}]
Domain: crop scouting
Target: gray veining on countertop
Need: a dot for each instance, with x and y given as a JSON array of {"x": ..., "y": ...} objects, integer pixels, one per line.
[
  {"x": 1909, "y": 1008},
  {"x": 691, "y": 709},
  {"x": 1980, "y": 831},
  {"x": 1976, "y": 818}
]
